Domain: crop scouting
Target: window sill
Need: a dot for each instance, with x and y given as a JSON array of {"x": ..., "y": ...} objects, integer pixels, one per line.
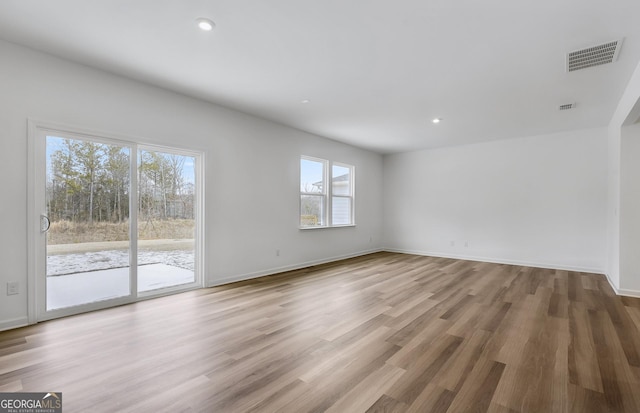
[{"x": 327, "y": 227}]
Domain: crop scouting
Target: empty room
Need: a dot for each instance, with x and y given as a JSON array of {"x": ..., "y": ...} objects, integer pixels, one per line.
[{"x": 310, "y": 206}]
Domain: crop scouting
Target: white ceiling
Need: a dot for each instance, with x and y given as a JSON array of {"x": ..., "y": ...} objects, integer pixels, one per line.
[{"x": 375, "y": 71}]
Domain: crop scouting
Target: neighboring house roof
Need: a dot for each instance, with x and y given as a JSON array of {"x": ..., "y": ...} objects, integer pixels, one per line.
[{"x": 341, "y": 178}]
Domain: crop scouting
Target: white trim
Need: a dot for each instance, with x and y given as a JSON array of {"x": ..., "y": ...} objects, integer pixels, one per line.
[
  {"x": 611, "y": 283},
  {"x": 106, "y": 136},
  {"x": 619, "y": 291},
  {"x": 627, "y": 293},
  {"x": 326, "y": 227},
  {"x": 499, "y": 261},
  {"x": 32, "y": 309},
  {"x": 133, "y": 221},
  {"x": 14, "y": 323},
  {"x": 200, "y": 263},
  {"x": 46, "y": 315},
  {"x": 298, "y": 266}
]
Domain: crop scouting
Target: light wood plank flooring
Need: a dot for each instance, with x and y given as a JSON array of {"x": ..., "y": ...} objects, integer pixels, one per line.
[{"x": 381, "y": 333}]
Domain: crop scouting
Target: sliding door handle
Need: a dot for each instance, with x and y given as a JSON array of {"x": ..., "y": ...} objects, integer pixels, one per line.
[{"x": 45, "y": 224}]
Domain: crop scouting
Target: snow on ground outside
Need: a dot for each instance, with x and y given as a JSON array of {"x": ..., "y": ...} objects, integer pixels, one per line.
[
  {"x": 89, "y": 287},
  {"x": 104, "y": 260}
]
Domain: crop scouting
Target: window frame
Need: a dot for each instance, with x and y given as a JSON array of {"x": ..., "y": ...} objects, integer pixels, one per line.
[{"x": 327, "y": 193}]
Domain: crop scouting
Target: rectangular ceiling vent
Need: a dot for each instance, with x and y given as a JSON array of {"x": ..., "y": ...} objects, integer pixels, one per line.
[
  {"x": 593, "y": 56},
  {"x": 567, "y": 106}
]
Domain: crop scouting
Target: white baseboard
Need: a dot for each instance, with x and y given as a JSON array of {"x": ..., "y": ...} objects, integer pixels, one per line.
[
  {"x": 628, "y": 293},
  {"x": 271, "y": 271},
  {"x": 14, "y": 323},
  {"x": 621, "y": 291},
  {"x": 499, "y": 261},
  {"x": 611, "y": 283}
]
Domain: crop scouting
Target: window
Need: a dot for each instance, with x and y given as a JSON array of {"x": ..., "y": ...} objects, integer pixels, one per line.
[{"x": 323, "y": 204}]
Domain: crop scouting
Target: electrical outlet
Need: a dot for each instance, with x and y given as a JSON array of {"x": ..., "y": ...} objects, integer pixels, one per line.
[
  {"x": 466, "y": 243},
  {"x": 453, "y": 243},
  {"x": 13, "y": 288},
  {"x": 370, "y": 239},
  {"x": 277, "y": 253}
]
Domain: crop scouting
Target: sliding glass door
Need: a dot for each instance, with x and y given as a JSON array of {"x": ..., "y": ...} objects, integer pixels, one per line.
[
  {"x": 87, "y": 215},
  {"x": 114, "y": 221},
  {"x": 166, "y": 220}
]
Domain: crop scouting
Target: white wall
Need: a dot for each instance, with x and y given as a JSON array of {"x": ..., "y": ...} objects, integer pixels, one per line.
[
  {"x": 630, "y": 210},
  {"x": 537, "y": 201},
  {"x": 248, "y": 161},
  {"x": 613, "y": 206},
  {"x": 623, "y": 194}
]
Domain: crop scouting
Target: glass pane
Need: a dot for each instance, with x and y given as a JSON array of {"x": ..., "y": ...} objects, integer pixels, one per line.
[
  {"x": 87, "y": 196},
  {"x": 311, "y": 210},
  {"x": 341, "y": 180},
  {"x": 341, "y": 211},
  {"x": 166, "y": 220},
  {"x": 311, "y": 176}
]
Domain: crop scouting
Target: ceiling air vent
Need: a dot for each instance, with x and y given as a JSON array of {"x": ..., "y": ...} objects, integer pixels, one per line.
[
  {"x": 567, "y": 106},
  {"x": 593, "y": 56}
]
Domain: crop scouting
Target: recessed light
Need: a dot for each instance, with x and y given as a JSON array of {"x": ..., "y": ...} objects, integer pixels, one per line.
[
  {"x": 436, "y": 120},
  {"x": 305, "y": 101},
  {"x": 205, "y": 24}
]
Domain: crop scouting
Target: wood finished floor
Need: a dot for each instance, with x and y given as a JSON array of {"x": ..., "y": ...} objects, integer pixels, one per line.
[{"x": 380, "y": 333}]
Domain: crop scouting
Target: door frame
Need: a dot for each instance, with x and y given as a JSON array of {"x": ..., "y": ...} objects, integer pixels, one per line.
[{"x": 36, "y": 206}]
